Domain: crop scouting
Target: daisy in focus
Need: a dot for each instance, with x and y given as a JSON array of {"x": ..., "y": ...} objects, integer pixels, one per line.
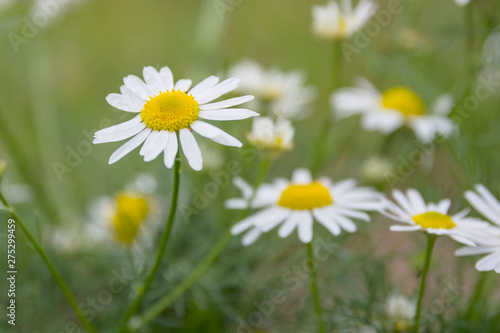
[
  {"x": 486, "y": 204},
  {"x": 276, "y": 135},
  {"x": 285, "y": 95},
  {"x": 297, "y": 203},
  {"x": 393, "y": 109},
  {"x": 167, "y": 110},
  {"x": 335, "y": 20},
  {"x": 410, "y": 208}
]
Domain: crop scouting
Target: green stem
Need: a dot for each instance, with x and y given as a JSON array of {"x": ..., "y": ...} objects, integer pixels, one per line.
[
  {"x": 59, "y": 280},
  {"x": 314, "y": 288},
  {"x": 167, "y": 300},
  {"x": 471, "y": 311},
  {"x": 325, "y": 128},
  {"x": 141, "y": 290},
  {"x": 431, "y": 239}
]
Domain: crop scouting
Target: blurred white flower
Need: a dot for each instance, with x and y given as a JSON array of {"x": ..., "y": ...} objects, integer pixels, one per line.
[
  {"x": 393, "y": 109},
  {"x": 489, "y": 242},
  {"x": 411, "y": 209},
  {"x": 462, "y": 2},
  {"x": 276, "y": 135},
  {"x": 338, "y": 21},
  {"x": 167, "y": 110},
  {"x": 375, "y": 169},
  {"x": 295, "y": 204},
  {"x": 282, "y": 94},
  {"x": 47, "y": 11},
  {"x": 400, "y": 311}
]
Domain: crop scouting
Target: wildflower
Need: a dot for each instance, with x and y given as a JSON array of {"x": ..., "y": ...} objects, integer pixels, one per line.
[
  {"x": 167, "y": 111},
  {"x": 275, "y": 135},
  {"x": 282, "y": 94},
  {"x": 400, "y": 311},
  {"x": 335, "y": 21},
  {"x": 394, "y": 108},
  {"x": 296, "y": 203}
]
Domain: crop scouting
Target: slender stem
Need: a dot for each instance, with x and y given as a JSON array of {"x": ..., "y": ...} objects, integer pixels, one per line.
[
  {"x": 325, "y": 128},
  {"x": 431, "y": 239},
  {"x": 314, "y": 288},
  {"x": 59, "y": 280},
  {"x": 141, "y": 290},
  {"x": 167, "y": 300},
  {"x": 471, "y": 311}
]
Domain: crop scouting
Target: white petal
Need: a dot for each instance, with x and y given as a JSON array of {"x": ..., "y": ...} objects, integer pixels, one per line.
[
  {"x": 155, "y": 145},
  {"x": 191, "y": 149},
  {"x": 203, "y": 86},
  {"x": 129, "y": 146},
  {"x": 227, "y": 103},
  {"x": 236, "y": 203},
  {"x": 215, "y": 134},
  {"x": 124, "y": 103},
  {"x": 345, "y": 223},
  {"x": 305, "y": 226},
  {"x": 183, "y": 85},
  {"x": 153, "y": 80},
  {"x": 227, "y": 114},
  {"x": 489, "y": 262},
  {"x": 251, "y": 236},
  {"x": 167, "y": 77},
  {"x": 443, "y": 105},
  {"x": 474, "y": 250},
  {"x": 137, "y": 86},
  {"x": 289, "y": 225},
  {"x": 302, "y": 176},
  {"x": 217, "y": 91},
  {"x": 416, "y": 200},
  {"x": 405, "y": 227},
  {"x": 119, "y": 132},
  {"x": 170, "y": 151},
  {"x": 326, "y": 221}
]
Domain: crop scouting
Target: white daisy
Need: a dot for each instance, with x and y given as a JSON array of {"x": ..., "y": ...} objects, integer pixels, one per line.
[
  {"x": 296, "y": 203},
  {"x": 400, "y": 311},
  {"x": 166, "y": 111},
  {"x": 462, "y": 2},
  {"x": 283, "y": 94},
  {"x": 276, "y": 135},
  {"x": 411, "y": 209},
  {"x": 338, "y": 21},
  {"x": 393, "y": 109},
  {"x": 485, "y": 203}
]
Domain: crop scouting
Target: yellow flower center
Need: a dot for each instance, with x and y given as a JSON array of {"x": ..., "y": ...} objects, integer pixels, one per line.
[
  {"x": 404, "y": 100},
  {"x": 308, "y": 196},
  {"x": 434, "y": 220},
  {"x": 130, "y": 213},
  {"x": 170, "y": 111}
]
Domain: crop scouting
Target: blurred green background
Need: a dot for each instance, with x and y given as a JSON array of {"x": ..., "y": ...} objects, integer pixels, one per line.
[{"x": 52, "y": 94}]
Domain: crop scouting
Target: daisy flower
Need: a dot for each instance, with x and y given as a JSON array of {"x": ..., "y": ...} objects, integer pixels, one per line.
[
  {"x": 166, "y": 111},
  {"x": 297, "y": 203},
  {"x": 401, "y": 311},
  {"x": 485, "y": 203},
  {"x": 335, "y": 21},
  {"x": 462, "y": 2},
  {"x": 270, "y": 134},
  {"x": 394, "y": 108},
  {"x": 128, "y": 217},
  {"x": 411, "y": 209},
  {"x": 284, "y": 94}
]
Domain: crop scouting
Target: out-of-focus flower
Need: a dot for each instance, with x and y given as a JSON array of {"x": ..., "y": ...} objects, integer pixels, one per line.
[
  {"x": 167, "y": 110},
  {"x": 462, "y": 2},
  {"x": 335, "y": 21},
  {"x": 376, "y": 169},
  {"x": 412, "y": 39},
  {"x": 282, "y": 94},
  {"x": 411, "y": 209},
  {"x": 400, "y": 311},
  {"x": 296, "y": 203},
  {"x": 50, "y": 10},
  {"x": 489, "y": 242},
  {"x": 393, "y": 109},
  {"x": 275, "y": 135}
]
